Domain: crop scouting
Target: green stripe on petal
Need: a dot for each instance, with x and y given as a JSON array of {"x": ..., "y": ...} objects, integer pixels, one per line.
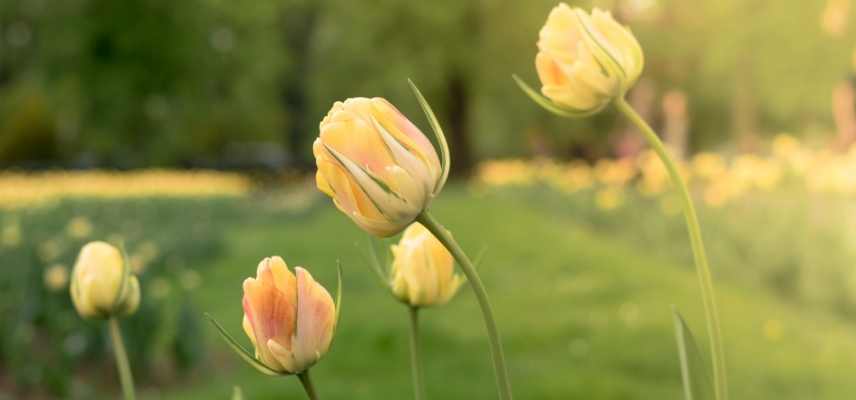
[
  {"x": 375, "y": 189},
  {"x": 598, "y": 46}
]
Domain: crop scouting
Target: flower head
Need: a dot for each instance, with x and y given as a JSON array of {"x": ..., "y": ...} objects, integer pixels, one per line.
[
  {"x": 101, "y": 284},
  {"x": 423, "y": 271},
  {"x": 289, "y": 317},
  {"x": 584, "y": 61},
  {"x": 376, "y": 165}
]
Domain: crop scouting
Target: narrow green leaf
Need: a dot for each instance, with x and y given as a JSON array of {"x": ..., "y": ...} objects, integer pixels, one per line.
[
  {"x": 696, "y": 378},
  {"x": 445, "y": 158},
  {"x": 240, "y": 350},
  {"x": 548, "y": 104},
  {"x": 375, "y": 264},
  {"x": 237, "y": 394}
]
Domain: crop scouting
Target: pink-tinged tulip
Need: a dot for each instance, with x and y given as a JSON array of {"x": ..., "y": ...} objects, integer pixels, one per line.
[
  {"x": 101, "y": 285},
  {"x": 376, "y": 165},
  {"x": 423, "y": 271},
  {"x": 289, "y": 318}
]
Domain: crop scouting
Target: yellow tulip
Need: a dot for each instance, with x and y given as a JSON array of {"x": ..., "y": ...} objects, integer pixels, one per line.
[
  {"x": 101, "y": 287},
  {"x": 584, "y": 61},
  {"x": 376, "y": 165},
  {"x": 290, "y": 318},
  {"x": 423, "y": 271}
]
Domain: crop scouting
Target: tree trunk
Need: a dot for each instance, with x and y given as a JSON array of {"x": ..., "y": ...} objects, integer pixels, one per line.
[{"x": 457, "y": 135}]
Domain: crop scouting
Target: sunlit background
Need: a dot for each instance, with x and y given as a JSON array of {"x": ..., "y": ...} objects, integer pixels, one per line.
[{"x": 183, "y": 130}]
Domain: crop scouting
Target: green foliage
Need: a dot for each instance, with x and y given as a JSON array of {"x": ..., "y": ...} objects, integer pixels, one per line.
[{"x": 157, "y": 82}]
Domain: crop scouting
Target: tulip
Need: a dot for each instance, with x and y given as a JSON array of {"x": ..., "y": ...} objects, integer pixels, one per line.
[
  {"x": 584, "y": 61},
  {"x": 376, "y": 165},
  {"x": 289, "y": 318},
  {"x": 101, "y": 284},
  {"x": 422, "y": 271}
]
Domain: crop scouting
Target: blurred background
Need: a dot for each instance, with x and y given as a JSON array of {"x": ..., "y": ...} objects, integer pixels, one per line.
[{"x": 184, "y": 130}]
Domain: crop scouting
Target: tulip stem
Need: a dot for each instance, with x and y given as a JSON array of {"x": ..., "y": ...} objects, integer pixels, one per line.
[
  {"x": 502, "y": 382},
  {"x": 702, "y": 269},
  {"x": 415, "y": 367},
  {"x": 306, "y": 381},
  {"x": 122, "y": 364}
]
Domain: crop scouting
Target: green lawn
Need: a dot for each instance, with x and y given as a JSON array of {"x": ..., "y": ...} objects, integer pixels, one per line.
[{"x": 585, "y": 314}]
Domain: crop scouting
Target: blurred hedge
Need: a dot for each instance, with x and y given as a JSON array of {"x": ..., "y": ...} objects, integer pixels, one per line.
[{"x": 214, "y": 82}]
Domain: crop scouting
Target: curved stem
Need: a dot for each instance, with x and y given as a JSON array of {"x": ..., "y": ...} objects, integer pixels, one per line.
[
  {"x": 702, "y": 269},
  {"x": 502, "y": 382},
  {"x": 415, "y": 367},
  {"x": 307, "y": 385},
  {"x": 122, "y": 364}
]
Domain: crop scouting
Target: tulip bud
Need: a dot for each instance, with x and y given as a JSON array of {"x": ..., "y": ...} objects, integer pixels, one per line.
[
  {"x": 379, "y": 169},
  {"x": 584, "y": 61},
  {"x": 423, "y": 271},
  {"x": 101, "y": 284},
  {"x": 289, "y": 318}
]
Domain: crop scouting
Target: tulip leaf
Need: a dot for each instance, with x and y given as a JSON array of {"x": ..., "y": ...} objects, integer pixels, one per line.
[
  {"x": 438, "y": 133},
  {"x": 240, "y": 350},
  {"x": 548, "y": 104},
  {"x": 695, "y": 376},
  {"x": 338, "y": 289},
  {"x": 375, "y": 264},
  {"x": 237, "y": 393}
]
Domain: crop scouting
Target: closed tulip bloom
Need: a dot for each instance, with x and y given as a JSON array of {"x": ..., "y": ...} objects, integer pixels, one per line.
[
  {"x": 423, "y": 271},
  {"x": 376, "y": 165},
  {"x": 100, "y": 285},
  {"x": 289, "y": 317},
  {"x": 586, "y": 60}
]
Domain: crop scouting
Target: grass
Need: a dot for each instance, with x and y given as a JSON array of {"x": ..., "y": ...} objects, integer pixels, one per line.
[{"x": 584, "y": 314}]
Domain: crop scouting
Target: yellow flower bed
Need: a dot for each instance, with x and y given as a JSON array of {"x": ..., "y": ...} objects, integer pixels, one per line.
[{"x": 21, "y": 189}]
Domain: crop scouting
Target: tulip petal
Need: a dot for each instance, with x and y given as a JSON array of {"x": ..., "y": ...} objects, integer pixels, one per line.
[
  {"x": 316, "y": 319},
  {"x": 603, "y": 52},
  {"x": 415, "y": 166},
  {"x": 549, "y": 105}
]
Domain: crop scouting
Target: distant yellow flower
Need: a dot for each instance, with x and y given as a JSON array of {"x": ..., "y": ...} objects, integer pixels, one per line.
[
  {"x": 290, "y": 318},
  {"x": 609, "y": 198},
  {"x": 423, "y": 271},
  {"x": 614, "y": 172},
  {"x": 773, "y": 330},
  {"x": 655, "y": 178},
  {"x": 159, "y": 288},
  {"x": 578, "y": 176},
  {"x": 586, "y": 60},
  {"x": 190, "y": 279},
  {"x": 49, "y": 250},
  {"x": 99, "y": 288},
  {"x": 708, "y": 165},
  {"x": 11, "y": 234},
  {"x": 376, "y": 165},
  {"x": 56, "y": 277},
  {"x": 79, "y": 227},
  {"x": 506, "y": 172}
]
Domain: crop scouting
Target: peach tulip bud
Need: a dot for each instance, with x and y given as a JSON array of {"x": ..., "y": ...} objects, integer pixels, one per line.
[
  {"x": 423, "y": 271},
  {"x": 101, "y": 284},
  {"x": 290, "y": 318},
  {"x": 376, "y": 165},
  {"x": 584, "y": 60}
]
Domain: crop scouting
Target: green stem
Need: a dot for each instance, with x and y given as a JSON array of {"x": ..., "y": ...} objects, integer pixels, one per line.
[
  {"x": 122, "y": 364},
  {"x": 702, "y": 268},
  {"x": 415, "y": 367},
  {"x": 443, "y": 235},
  {"x": 307, "y": 385}
]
